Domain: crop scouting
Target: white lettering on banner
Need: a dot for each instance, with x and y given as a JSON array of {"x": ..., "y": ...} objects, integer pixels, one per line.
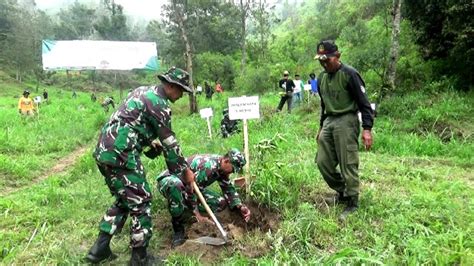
[
  {"x": 206, "y": 112},
  {"x": 244, "y": 108}
]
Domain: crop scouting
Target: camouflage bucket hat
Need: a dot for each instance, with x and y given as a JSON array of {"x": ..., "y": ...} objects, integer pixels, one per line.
[
  {"x": 237, "y": 159},
  {"x": 177, "y": 76}
]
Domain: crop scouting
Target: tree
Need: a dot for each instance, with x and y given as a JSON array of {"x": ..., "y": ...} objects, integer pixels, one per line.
[
  {"x": 395, "y": 46},
  {"x": 113, "y": 24},
  {"x": 445, "y": 35},
  {"x": 244, "y": 9},
  {"x": 177, "y": 13},
  {"x": 75, "y": 23}
]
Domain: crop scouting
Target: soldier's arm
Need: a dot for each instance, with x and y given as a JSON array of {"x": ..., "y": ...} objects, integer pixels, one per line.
[
  {"x": 229, "y": 191},
  {"x": 175, "y": 161},
  {"x": 357, "y": 90}
]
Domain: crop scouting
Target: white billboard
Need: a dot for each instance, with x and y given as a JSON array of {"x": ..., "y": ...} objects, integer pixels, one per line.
[{"x": 110, "y": 55}]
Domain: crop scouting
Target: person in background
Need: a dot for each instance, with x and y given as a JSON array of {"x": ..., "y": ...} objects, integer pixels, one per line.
[
  {"x": 142, "y": 121},
  {"x": 45, "y": 95},
  {"x": 287, "y": 85},
  {"x": 298, "y": 90},
  {"x": 208, "y": 90},
  {"x": 219, "y": 88},
  {"x": 26, "y": 104},
  {"x": 74, "y": 94},
  {"x": 108, "y": 101},
  {"x": 207, "y": 169},
  {"x": 314, "y": 84},
  {"x": 93, "y": 97},
  {"x": 342, "y": 93}
]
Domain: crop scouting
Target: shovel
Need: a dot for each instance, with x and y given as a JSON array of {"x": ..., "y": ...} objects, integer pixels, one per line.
[{"x": 214, "y": 241}]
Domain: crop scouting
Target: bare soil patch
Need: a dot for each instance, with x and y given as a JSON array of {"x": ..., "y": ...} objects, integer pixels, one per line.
[{"x": 262, "y": 220}]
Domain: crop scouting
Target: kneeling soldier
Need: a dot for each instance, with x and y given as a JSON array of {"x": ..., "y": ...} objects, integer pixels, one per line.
[{"x": 207, "y": 169}]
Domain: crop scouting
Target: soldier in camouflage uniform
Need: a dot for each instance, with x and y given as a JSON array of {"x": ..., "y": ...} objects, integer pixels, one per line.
[
  {"x": 207, "y": 169},
  {"x": 144, "y": 116}
]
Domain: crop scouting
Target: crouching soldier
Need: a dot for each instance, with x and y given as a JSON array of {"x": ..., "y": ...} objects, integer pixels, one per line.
[
  {"x": 228, "y": 127},
  {"x": 207, "y": 170},
  {"x": 108, "y": 101}
]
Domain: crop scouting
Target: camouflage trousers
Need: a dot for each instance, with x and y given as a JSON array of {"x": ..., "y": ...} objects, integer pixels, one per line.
[
  {"x": 174, "y": 190},
  {"x": 132, "y": 197}
]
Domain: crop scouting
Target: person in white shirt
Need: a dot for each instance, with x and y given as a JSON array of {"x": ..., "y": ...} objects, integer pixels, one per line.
[{"x": 298, "y": 90}]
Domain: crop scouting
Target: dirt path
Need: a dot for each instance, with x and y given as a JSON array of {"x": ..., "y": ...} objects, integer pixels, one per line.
[{"x": 60, "y": 168}]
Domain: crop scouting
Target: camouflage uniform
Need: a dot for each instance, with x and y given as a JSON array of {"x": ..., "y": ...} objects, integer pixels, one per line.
[
  {"x": 207, "y": 170},
  {"x": 143, "y": 117}
]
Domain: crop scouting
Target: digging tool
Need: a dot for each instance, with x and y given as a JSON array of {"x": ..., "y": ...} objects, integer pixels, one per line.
[{"x": 206, "y": 239}]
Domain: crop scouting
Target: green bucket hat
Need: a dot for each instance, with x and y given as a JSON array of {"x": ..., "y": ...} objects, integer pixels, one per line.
[
  {"x": 237, "y": 159},
  {"x": 177, "y": 76}
]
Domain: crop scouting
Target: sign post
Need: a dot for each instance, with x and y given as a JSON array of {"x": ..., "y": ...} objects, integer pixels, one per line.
[
  {"x": 244, "y": 108},
  {"x": 37, "y": 100},
  {"x": 206, "y": 113}
]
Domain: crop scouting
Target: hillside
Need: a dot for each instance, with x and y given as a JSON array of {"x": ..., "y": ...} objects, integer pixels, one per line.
[{"x": 416, "y": 201}]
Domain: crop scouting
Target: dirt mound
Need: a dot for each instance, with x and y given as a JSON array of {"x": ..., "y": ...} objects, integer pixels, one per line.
[{"x": 262, "y": 220}]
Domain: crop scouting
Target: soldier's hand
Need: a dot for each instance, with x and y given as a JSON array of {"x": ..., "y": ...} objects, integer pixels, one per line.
[
  {"x": 245, "y": 212},
  {"x": 317, "y": 136},
  {"x": 367, "y": 139},
  {"x": 154, "y": 151},
  {"x": 202, "y": 219}
]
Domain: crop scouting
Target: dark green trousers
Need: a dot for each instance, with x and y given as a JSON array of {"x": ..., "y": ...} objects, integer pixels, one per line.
[{"x": 338, "y": 145}]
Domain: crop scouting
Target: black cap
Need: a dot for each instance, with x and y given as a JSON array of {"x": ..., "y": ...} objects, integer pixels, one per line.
[{"x": 326, "y": 48}]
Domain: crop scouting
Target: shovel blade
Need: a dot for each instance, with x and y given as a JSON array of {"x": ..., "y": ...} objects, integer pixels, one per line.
[{"x": 214, "y": 241}]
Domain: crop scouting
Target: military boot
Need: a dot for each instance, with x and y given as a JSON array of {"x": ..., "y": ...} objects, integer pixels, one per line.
[
  {"x": 141, "y": 258},
  {"x": 179, "y": 236},
  {"x": 352, "y": 206},
  {"x": 101, "y": 249},
  {"x": 339, "y": 198}
]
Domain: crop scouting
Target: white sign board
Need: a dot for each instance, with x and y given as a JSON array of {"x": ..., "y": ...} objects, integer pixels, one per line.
[
  {"x": 307, "y": 87},
  {"x": 206, "y": 112},
  {"x": 199, "y": 88},
  {"x": 37, "y": 99},
  {"x": 244, "y": 107},
  {"x": 110, "y": 55}
]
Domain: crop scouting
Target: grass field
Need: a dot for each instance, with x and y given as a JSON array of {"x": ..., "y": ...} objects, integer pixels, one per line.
[{"x": 416, "y": 200}]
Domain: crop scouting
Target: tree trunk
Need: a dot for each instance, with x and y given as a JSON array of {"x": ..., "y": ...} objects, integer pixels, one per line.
[
  {"x": 180, "y": 19},
  {"x": 243, "y": 32},
  {"x": 395, "y": 47}
]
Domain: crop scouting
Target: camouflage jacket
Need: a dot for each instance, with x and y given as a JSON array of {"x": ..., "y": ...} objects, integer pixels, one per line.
[
  {"x": 207, "y": 170},
  {"x": 144, "y": 116}
]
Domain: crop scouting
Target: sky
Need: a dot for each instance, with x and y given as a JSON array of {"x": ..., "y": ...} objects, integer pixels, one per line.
[{"x": 139, "y": 9}]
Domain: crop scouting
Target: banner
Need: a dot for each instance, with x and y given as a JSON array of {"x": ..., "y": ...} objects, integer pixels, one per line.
[{"x": 109, "y": 55}]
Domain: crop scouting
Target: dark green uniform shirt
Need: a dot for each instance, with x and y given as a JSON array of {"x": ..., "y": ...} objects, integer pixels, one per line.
[{"x": 344, "y": 92}]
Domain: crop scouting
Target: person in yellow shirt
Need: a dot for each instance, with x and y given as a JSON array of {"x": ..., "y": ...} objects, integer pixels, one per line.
[{"x": 26, "y": 104}]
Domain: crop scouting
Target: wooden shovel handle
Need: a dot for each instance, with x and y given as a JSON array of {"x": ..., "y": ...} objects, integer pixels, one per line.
[{"x": 209, "y": 211}]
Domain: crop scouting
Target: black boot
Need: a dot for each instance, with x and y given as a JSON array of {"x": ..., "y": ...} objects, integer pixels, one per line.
[
  {"x": 101, "y": 249},
  {"x": 336, "y": 199},
  {"x": 141, "y": 258},
  {"x": 179, "y": 236},
  {"x": 352, "y": 206}
]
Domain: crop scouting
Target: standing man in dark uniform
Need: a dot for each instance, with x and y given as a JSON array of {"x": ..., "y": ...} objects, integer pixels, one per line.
[
  {"x": 142, "y": 119},
  {"x": 342, "y": 93},
  {"x": 287, "y": 85}
]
